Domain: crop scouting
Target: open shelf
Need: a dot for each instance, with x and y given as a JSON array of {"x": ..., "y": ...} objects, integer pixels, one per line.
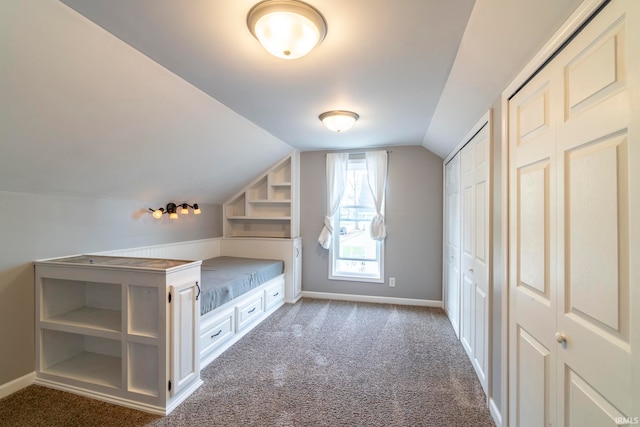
[
  {"x": 81, "y": 306},
  {"x": 88, "y": 319},
  {"x": 91, "y": 368},
  {"x": 81, "y": 357},
  {"x": 268, "y": 207}
]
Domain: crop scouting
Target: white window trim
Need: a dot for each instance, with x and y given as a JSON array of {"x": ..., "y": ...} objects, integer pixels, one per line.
[
  {"x": 357, "y": 278},
  {"x": 352, "y": 277}
]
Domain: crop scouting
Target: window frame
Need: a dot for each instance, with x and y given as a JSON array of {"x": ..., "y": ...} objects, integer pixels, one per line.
[{"x": 335, "y": 245}]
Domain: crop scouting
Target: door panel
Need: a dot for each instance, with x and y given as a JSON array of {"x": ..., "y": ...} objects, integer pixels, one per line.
[
  {"x": 480, "y": 339},
  {"x": 533, "y": 226},
  {"x": 452, "y": 246},
  {"x": 475, "y": 250},
  {"x": 467, "y": 315},
  {"x": 481, "y": 260},
  {"x": 586, "y": 407},
  {"x": 533, "y": 374},
  {"x": 532, "y": 195},
  {"x": 595, "y": 142},
  {"x": 468, "y": 229},
  {"x": 185, "y": 325},
  {"x": 574, "y": 236},
  {"x": 594, "y": 206},
  {"x": 595, "y": 72}
]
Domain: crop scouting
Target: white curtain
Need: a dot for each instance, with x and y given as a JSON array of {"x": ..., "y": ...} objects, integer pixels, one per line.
[
  {"x": 337, "y": 164},
  {"x": 377, "y": 172}
]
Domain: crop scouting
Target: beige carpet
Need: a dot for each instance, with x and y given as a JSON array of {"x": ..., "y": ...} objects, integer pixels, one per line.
[{"x": 315, "y": 363}]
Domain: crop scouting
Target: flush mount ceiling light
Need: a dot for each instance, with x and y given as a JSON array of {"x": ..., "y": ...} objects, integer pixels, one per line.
[
  {"x": 287, "y": 29},
  {"x": 338, "y": 120}
]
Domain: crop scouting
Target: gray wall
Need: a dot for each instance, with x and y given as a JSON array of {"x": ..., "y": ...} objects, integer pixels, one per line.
[
  {"x": 35, "y": 226},
  {"x": 413, "y": 248}
]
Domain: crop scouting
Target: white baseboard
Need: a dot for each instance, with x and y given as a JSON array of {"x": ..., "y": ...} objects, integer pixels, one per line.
[
  {"x": 189, "y": 250},
  {"x": 17, "y": 384},
  {"x": 495, "y": 413},
  {"x": 368, "y": 298},
  {"x": 122, "y": 401}
]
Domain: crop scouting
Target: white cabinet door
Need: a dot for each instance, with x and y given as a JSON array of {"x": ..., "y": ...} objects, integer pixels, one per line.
[
  {"x": 185, "y": 344},
  {"x": 452, "y": 243}
]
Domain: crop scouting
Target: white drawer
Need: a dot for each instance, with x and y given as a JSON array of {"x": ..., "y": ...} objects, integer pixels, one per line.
[
  {"x": 274, "y": 294},
  {"x": 219, "y": 331},
  {"x": 249, "y": 311}
]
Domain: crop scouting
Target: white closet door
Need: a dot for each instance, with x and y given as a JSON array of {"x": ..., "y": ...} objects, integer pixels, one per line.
[
  {"x": 532, "y": 252},
  {"x": 452, "y": 242},
  {"x": 467, "y": 253},
  {"x": 574, "y": 231},
  {"x": 475, "y": 213},
  {"x": 598, "y": 148},
  {"x": 481, "y": 251}
]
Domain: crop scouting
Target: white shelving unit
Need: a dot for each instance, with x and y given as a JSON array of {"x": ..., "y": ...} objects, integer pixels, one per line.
[
  {"x": 123, "y": 330},
  {"x": 269, "y": 206}
]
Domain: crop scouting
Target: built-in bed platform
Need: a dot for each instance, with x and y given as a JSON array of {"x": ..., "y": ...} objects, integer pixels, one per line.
[{"x": 237, "y": 294}]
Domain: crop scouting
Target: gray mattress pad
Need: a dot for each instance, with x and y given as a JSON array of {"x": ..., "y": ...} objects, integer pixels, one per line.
[{"x": 225, "y": 278}]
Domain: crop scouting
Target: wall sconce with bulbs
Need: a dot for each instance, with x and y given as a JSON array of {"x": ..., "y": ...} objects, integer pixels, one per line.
[{"x": 172, "y": 210}]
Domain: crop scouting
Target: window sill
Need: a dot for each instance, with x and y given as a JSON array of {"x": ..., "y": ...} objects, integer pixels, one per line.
[{"x": 357, "y": 279}]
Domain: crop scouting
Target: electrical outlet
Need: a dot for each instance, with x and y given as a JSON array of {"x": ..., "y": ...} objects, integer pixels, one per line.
[{"x": 392, "y": 282}]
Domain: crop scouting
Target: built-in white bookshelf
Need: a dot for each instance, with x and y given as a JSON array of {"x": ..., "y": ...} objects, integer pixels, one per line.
[{"x": 269, "y": 206}]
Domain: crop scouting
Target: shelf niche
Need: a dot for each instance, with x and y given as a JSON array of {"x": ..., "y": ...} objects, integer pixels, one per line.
[{"x": 269, "y": 206}]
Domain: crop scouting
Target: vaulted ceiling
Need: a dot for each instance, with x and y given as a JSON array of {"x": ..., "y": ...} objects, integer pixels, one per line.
[{"x": 187, "y": 102}]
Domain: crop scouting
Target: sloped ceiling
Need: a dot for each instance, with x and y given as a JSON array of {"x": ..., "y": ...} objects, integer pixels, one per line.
[
  {"x": 85, "y": 114},
  {"x": 164, "y": 99}
]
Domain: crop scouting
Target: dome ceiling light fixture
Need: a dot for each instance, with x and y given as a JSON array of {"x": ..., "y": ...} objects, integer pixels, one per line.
[
  {"x": 287, "y": 29},
  {"x": 339, "y": 120}
]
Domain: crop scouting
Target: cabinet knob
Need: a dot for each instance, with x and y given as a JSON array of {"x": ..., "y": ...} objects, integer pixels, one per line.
[
  {"x": 561, "y": 338},
  {"x": 471, "y": 270}
]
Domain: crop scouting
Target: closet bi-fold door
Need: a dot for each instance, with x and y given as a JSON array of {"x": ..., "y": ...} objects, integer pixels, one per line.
[
  {"x": 532, "y": 252},
  {"x": 475, "y": 204},
  {"x": 574, "y": 231},
  {"x": 452, "y": 242},
  {"x": 598, "y": 147}
]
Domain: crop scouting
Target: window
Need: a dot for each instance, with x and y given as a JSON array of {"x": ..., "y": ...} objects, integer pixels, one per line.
[{"x": 354, "y": 254}]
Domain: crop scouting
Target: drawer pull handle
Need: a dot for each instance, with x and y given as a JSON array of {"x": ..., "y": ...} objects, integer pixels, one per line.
[
  {"x": 276, "y": 294},
  {"x": 252, "y": 310},
  {"x": 199, "y": 290},
  {"x": 216, "y": 334}
]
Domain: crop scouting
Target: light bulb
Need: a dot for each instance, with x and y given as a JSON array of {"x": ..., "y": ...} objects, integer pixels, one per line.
[
  {"x": 173, "y": 215},
  {"x": 157, "y": 214},
  {"x": 196, "y": 209},
  {"x": 184, "y": 210}
]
